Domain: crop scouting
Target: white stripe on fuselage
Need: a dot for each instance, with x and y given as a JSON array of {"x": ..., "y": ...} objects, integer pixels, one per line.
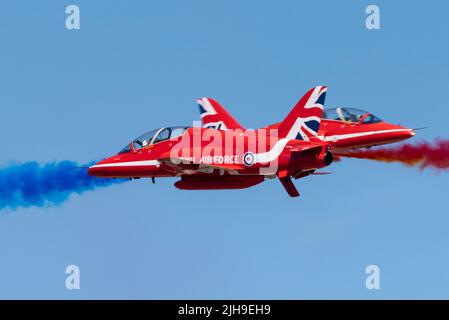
[
  {"x": 258, "y": 157},
  {"x": 129, "y": 163},
  {"x": 273, "y": 153},
  {"x": 359, "y": 134}
]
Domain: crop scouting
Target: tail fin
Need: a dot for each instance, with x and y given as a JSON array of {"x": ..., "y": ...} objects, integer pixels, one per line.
[
  {"x": 215, "y": 116},
  {"x": 303, "y": 122}
]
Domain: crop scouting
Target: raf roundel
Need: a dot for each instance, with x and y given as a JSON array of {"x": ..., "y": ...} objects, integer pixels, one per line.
[{"x": 248, "y": 158}]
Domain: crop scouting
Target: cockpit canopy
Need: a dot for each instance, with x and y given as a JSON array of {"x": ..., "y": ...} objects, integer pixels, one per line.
[
  {"x": 350, "y": 115},
  {"x": 154, "y": 136}
]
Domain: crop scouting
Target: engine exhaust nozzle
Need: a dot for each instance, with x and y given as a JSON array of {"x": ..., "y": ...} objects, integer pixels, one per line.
[{"x": 328, "y": 158}]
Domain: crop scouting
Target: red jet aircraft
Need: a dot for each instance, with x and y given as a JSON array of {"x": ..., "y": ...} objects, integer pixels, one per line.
[
  {"x": 342, "y": 128},
  {"x": 207, "y": 158}
]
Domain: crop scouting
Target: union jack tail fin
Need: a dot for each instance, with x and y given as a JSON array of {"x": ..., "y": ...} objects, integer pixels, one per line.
[
  {"x": 214, "y": 115},
  {"x": 303, "y": 122}
]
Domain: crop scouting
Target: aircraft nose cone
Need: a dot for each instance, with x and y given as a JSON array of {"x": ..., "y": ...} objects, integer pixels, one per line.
[
  {"x": 399, "y": 133},
  {"x": 407, "y": 133}
]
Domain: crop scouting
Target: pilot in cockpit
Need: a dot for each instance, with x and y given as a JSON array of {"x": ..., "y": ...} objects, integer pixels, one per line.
[
  {"x": 152, "y": 137},
  {"x": 350, "y": 115}
]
